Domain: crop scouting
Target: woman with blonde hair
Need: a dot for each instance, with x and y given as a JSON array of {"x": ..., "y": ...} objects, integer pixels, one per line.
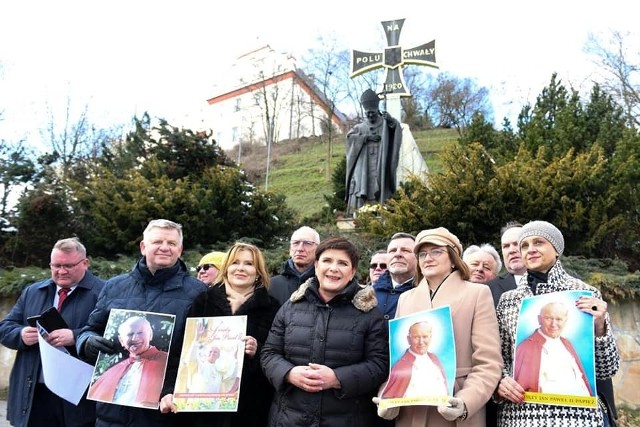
[{"x": 242, "y": 290}]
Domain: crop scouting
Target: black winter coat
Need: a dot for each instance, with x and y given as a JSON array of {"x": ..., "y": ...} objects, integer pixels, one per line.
[
  {"x": 285, "y": 283},
  {"x": 170, "y": 291},
  {"x": 255, "y": 391},
  {"x": 348, "y": 335}
]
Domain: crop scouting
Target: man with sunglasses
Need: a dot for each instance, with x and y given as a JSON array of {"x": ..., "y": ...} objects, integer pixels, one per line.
[
  {"x": 74, "y": 291},
  {"x": 401, "y": 267},
  {"x": 299, "y": 266}
]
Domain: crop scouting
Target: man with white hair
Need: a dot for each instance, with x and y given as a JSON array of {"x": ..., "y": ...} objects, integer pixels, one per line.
[
  {"x": 547, "y": 362},
  {"x": 483, "y": 261},
  {"x": 299, "y": 267}
]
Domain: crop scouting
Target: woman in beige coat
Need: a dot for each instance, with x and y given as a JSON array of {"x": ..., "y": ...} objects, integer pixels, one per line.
[{"x": 442, "y": 280}]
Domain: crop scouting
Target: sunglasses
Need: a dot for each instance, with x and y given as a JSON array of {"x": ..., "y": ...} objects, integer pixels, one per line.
[
  {"x": 382, "y": 265},
  {"x": 204, "y": 267}
]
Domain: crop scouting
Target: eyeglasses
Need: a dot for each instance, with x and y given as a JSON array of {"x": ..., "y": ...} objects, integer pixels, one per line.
[
  {"x": 305, "y": 243},
  {"x": 65, "y": 266},
  {"x": 381, "y": 265},
  {"x": 204, "y": 267},
  {"x": 435, "y": 253}
]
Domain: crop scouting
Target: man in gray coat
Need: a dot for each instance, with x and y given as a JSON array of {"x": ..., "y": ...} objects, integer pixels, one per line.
[{"x": 30, "y": 401}]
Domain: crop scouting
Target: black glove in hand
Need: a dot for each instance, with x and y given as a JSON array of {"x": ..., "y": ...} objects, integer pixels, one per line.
[
  {"x": 454, "y": 410},
  {"x": 95, "y": 344},
  {"x": 374, "y": 138}
]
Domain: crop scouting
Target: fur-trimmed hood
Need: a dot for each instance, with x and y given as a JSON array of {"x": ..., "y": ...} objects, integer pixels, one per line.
[{"x": 362, "y": 297}]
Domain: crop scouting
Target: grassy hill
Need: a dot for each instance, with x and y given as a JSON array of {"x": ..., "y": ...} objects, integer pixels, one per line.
[{"x": 299, "y": 168}]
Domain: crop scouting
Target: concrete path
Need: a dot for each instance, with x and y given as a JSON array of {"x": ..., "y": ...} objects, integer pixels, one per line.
[{"x": 3, "y": 414}]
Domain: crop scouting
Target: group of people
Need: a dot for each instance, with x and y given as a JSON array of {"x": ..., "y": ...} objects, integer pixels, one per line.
[
  {"x": 531, "y": 255},
  {"x": 316, "y": 350}
]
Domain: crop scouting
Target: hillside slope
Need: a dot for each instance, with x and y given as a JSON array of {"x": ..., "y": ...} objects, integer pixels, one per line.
[{"x": 299, "y": 168}]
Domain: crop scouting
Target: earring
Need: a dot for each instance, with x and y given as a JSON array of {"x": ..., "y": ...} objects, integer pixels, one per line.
[{"x": 453, "y": 267}]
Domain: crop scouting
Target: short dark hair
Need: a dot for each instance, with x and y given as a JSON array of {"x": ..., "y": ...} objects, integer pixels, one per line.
[{"x": 341, "y": 244}]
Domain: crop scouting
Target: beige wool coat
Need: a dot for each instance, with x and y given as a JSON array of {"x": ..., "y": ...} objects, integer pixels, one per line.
[{"x": 478, "y": 351}]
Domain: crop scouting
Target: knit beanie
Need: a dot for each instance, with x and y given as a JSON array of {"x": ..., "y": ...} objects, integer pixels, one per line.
[
  {"x": 214, "y": 258},
  {"x": 546, "y": 230}
]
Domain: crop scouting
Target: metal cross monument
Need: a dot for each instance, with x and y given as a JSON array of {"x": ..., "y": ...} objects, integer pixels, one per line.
[{"x": 393, "y": 59}]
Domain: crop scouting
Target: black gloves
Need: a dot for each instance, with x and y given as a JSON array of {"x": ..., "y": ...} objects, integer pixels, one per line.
[{"x": 95, "y": 344}]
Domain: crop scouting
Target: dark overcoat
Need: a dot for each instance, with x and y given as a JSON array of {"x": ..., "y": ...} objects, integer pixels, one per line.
[{"x": 33, "y": 300}]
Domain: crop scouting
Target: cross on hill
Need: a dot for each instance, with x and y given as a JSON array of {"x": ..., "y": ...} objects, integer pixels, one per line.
[{"x": 393, "y": 58}]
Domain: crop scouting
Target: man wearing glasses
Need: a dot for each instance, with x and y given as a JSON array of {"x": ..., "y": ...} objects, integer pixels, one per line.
[
  {"x": 401, "y": 267},
  {"x": 74, "y": 290},
  {"x": 299, "y": 266}
]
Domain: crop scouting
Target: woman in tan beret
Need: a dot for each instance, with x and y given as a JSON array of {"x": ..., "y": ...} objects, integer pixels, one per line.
[{"x": 442, "y": 279}]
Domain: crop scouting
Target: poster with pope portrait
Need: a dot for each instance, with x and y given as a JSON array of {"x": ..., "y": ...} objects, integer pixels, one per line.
[
  {"x": 422, "y": 359},
  {"x": 211, "y": 364},
  {"x": 554, "y": 357},
  {"x": 134, "y": 375}
]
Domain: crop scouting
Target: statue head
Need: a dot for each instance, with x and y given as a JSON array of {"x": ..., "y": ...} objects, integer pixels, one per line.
[{"x": 370, "y": 100}]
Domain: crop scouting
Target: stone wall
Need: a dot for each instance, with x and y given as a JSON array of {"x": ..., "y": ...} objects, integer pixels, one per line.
[
  {"x": 626, "y": 327},
  {"x": 625, "y": 318}
]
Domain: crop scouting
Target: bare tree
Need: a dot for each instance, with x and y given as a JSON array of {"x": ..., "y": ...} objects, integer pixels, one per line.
[
  {"x": 74, "y": 136},
  {"x": 620, "y": 69},
  {"x": 417, "y": 80},
  {"x": 269, "y": 93},
  {"x": 453, "y": 101},
  {"x": 328, "y": 70}
]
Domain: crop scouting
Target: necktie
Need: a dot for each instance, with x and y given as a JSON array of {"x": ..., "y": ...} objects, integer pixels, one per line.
[{"x": 62, "y": 295}]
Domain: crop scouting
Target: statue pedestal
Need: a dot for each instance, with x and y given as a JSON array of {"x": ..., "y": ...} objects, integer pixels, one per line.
[{"x": 346, "y": 224}]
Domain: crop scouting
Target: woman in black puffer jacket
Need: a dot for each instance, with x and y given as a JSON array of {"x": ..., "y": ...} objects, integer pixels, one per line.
[{"x": 327, "y": 352}]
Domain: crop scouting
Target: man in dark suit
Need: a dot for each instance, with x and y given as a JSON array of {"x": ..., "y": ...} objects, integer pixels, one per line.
[
  {"x": 74, "y": 290},
  {"x": 505, "y": 282},
  {"x": 512, "y": 262}
]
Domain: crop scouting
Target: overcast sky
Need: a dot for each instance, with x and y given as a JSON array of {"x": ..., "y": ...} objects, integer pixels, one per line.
[{"x": 122, "y": 58}]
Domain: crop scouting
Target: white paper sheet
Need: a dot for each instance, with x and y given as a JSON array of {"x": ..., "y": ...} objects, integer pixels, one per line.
[{"x": 64, "y": 375}]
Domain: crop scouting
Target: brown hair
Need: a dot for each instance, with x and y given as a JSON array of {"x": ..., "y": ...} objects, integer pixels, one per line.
[{"x": 457, "y": 261}]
